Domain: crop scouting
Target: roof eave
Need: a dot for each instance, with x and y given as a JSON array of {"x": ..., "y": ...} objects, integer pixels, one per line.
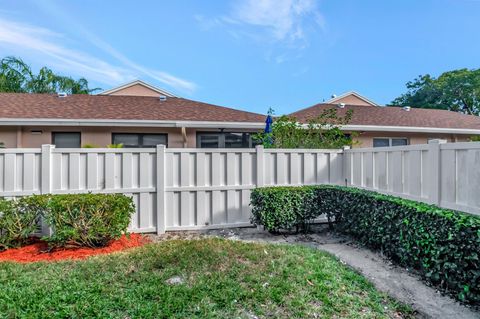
[
  {"x": 412, "y": 129},
  {"x": 128, "y": 123}
]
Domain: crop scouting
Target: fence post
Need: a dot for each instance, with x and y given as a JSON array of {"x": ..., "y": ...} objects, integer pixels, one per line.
[
  {"x": 434, "y": 187},
  {"x": 346, "y": 166},
  {"x": 161, "y": 214},
  {"x": 260, "y": 165},
  {"x": 46, "y": 179}
]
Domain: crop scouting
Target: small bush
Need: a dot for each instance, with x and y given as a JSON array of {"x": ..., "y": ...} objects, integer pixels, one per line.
[
  {"x": 283, "y": 208},
  {"x": 90, "y": 220},
  {"x": 17, "y": 222},
  {"x": 442, "y": 245}
]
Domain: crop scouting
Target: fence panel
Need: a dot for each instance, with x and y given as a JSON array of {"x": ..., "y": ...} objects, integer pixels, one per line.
[
  {"x": 447, "y": 175},
  {"x": 20, "y": 172},
  {"x": 180, "y": 189}
]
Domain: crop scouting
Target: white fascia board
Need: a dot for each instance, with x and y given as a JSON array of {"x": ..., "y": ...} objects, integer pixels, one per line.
[
  {"x": 409, "y": 129},
  {"x": 129, "y": 123},
  {"x": 413, "y": 129},
  {"x": 216, "y": 124}
]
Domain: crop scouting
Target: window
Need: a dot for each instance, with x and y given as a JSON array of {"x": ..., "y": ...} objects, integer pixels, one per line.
[
  {"x": 224, "y": 140},
  {"x": 66, "y": 139},
  {"x": 387, "y": 141},
  {"x": 139, "y": 140}
]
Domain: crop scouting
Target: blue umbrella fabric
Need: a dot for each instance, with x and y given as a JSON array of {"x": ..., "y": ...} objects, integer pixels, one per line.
[{"x": 268, "y": 124}]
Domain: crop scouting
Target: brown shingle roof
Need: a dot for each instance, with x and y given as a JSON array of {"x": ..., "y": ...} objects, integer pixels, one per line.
[
  {"x": 50, "y": 106},
  {"x": 396, "y": 116}
]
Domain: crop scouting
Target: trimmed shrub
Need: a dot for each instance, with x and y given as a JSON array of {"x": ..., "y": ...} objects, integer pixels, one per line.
[
  {"x": 90, "y": 220},
  {"x": 442, "y": 245},
  {"x": 283, "y": 208},
  {"x": 17, "y": 222}
]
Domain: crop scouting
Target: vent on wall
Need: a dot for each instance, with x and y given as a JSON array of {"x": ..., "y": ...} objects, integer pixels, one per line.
[
  {"x": 163, "y": 98},
  {"x": 341, "y": 105},
  {"x": 62, "y": 94},
  {"x": 406, "y": 108}
]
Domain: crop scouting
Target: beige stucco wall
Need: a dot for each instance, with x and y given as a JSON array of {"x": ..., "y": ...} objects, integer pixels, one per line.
[
  {"x": 102, "y": 136},
  {"x": 136, "y": 90},
  {"x": 8, "y": 135},
  {"x": 365, "y": 139},
  {"x": 352, "y": 100}
]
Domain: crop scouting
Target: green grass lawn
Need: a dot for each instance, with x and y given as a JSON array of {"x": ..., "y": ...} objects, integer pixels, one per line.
[{"x": 222, "y": 279}]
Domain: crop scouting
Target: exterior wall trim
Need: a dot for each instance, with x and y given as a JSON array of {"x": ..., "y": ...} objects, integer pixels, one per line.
[
  {"x": 216, "y": 124},
  {"x": 128, "y": 123}
]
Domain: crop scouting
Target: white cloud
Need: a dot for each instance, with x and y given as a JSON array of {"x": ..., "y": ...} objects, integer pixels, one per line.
[
  {"x": 280, "y": 25},
  {"x": 48, "y": 47},
  {"x": 284, "y": 19},
  {"x": 161, "y": 76}
]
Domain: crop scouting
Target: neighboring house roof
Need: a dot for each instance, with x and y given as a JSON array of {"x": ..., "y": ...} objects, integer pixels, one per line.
[
  {"x": 134, "y": 88},
  {"x": 373, "y": 118},
  {"x": 350, "y": 97},
  {"x": 83, "y": 109}
]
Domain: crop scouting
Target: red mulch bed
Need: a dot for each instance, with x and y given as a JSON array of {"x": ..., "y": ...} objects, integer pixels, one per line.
[{"x": 38, "y": 251}]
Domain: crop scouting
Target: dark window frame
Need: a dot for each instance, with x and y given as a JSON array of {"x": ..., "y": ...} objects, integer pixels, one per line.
[
  {"x": 221, "y": 139},
  {"x": 67, "y": 132},
  {"x": 390, "y": 141},
  {"x": 141, "y": 136}
]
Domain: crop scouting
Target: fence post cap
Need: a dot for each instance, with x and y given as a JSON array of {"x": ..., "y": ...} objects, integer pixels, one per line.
[
  {"x": 258, "y": 146},
  {"x": 346, "y": 147}
]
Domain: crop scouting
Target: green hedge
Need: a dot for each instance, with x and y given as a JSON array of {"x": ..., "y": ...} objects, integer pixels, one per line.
[
  {"x": 278, "y": 208},
  {"x": 442, "y": 245},
  {"x": 90, "y": 220},
  {"x": 17, "y": 222}
]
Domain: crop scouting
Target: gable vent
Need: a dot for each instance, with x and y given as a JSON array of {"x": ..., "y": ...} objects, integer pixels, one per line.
[{"x": 341, "y": 105}]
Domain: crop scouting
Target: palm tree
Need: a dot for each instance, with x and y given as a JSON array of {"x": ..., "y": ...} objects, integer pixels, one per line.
[{"x": 17, "y": 76}]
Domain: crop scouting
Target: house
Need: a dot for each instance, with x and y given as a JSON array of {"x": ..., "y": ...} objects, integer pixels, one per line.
[
  {"x": 377, "y": 126},
  {"x": 135, "y": 114},
  {"x": 138, "y": 114}
]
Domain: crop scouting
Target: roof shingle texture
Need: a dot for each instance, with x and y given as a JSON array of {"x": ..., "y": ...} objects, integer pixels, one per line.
[
  {"x": 50, "y": 106},
  {"x": 395, "y": 116}
]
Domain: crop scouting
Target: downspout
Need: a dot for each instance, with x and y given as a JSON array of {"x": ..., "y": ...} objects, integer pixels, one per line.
[{"x": 184, "y": 135}]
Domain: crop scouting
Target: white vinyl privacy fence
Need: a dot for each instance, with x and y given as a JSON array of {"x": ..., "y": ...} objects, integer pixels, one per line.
[
  {"x": 173, "y": 189},
  {"x": 182, "y": 189},
  {"x": 444, "y": 174}
]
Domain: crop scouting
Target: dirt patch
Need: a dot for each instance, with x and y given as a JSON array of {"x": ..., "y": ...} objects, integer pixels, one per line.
[
  {"x": 38, "y": 251},
  {"x": 397, "y": 282}
]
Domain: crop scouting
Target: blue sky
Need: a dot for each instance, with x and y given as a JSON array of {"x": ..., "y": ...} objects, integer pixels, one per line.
[{"x": 251, "y": 54}]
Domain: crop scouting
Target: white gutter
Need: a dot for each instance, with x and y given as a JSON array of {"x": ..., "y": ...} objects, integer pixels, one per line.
[
  {"x": 218, "y": 124},
  {"x": 129, "y": 123},
  {"x": 414, "y": 129}
]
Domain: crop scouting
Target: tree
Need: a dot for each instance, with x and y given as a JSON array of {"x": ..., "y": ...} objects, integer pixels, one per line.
[
  {"x": 323, "y": 131},
  {"x": 16, "y": 76},
  {"x": 457, "y": 90}
]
